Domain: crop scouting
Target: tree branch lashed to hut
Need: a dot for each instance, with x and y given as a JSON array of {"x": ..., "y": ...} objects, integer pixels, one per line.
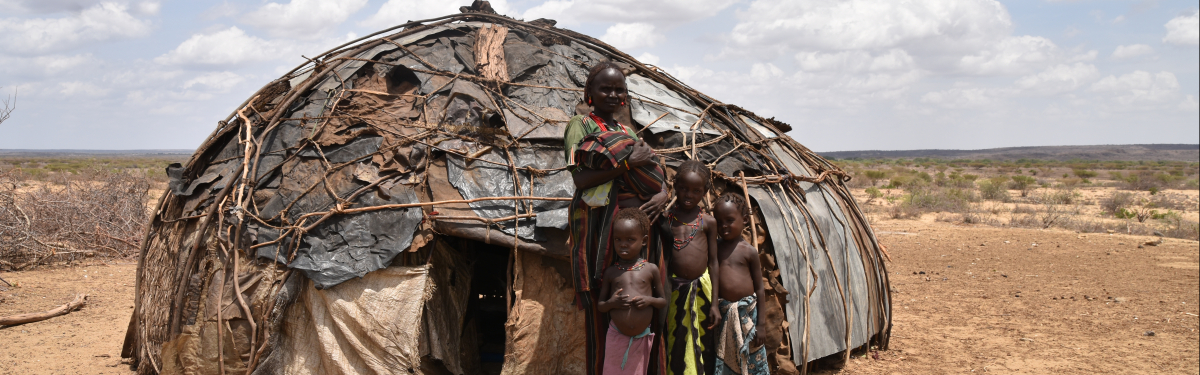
[{"x": 452, "y": 126}]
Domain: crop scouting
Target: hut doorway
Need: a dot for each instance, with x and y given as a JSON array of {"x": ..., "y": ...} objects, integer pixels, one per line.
[
  {"x": 489, "y": 302},
  {"x": 466, "y": 315}
]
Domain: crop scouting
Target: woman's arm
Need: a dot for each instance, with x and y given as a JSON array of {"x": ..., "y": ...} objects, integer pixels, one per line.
[{"x": 589, "y": 178}]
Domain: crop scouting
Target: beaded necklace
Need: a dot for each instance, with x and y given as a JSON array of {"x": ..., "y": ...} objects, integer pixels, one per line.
[
  {"x": 637, "y": 265},
  {"x": 604, "y": 126},
  {"x": 695, "y": 225}
]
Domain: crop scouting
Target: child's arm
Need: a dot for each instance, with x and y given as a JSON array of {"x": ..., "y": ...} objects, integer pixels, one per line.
[
  {"x": 759, "y": 291},
  {"x": 714, "y": 268},
  {"x": 606, "y": 303}
]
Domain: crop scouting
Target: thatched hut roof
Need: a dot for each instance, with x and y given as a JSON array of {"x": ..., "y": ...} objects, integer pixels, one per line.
[{"x": 348, "y": 177}]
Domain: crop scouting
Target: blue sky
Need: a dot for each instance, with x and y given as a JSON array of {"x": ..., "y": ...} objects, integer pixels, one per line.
[{"x": 846, "y": 74}]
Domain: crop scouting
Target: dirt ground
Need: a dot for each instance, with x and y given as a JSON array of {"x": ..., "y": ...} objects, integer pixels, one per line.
[{"x": 967, "y": 299}]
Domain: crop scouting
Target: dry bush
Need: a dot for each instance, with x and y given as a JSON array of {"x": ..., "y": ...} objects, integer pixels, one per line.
[
  {"x": 992, "y": 190},
  {"x": 96, "y": 212},
  {"x": 1172, "y": 201},
  {"x": 1116, "y": 202}
]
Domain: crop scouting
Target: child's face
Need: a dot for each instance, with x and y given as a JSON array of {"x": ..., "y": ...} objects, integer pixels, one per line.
[
  {"x": 690, "y": 188},
  {"x": 628, "y": 239},
  {"x": 730, "y": 221}
]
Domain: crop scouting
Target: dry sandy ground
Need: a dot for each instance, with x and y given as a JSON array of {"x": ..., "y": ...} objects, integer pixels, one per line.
[{"x": 988, "y": 301}]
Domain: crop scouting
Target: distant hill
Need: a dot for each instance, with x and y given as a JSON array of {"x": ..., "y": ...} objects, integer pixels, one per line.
[
  {"x": 1164, "y": 152},
  {"x": 96, "y": 153}
]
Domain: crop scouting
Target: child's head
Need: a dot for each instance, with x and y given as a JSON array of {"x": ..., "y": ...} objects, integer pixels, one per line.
[
  {"x": 692, "y": 181},
  {"x": 605, "y": 87},
  {"x": 732, "y": 213},
  {"x": 629, "y": 232}
]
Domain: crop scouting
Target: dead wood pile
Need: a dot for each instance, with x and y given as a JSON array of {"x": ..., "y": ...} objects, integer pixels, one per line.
[{"x": 70, "y": 216}]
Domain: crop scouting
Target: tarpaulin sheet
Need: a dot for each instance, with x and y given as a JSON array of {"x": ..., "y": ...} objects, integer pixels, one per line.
[
  {"x": 481, "y": 179},
  {"x": 365, "y": 326},
  {"x": 644, "y": 104},
  {"x": 351, "y": 245},
  {"x": 793, "y": 237}
]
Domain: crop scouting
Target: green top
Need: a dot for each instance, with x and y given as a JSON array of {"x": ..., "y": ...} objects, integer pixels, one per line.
[{"x": 579, "y": 127}]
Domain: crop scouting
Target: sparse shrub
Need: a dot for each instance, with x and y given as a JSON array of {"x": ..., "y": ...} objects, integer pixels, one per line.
[
  {"x": 1116, "y": 202},
  {"x": 1024, "y": 184},
  {"x": 1085, "y": 174},
  {"x": 899, "y": 182},
  {"x": 1070, "y": 182},
  {"x": 873, "y": 193},
  {"x": 875, "y": 176},
  {"x": 993, "y": 191},
  {"x": 1060, "y": 196}
]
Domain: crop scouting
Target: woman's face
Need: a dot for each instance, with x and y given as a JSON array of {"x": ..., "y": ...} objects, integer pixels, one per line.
[{"x": 607, "y": 91}]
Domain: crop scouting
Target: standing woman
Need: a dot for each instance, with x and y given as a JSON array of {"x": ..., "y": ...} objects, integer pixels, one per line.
[{"x": 612, "y": 169}]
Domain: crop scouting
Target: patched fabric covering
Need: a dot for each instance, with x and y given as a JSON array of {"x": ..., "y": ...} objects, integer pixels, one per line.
[{"x": 364, "y": 326}]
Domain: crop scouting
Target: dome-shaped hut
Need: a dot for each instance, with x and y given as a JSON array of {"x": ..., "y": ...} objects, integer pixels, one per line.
[{"x": 398, "y": 205}]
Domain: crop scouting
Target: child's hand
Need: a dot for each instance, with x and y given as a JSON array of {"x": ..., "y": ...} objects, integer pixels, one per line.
[
  {"x": 714, "y": 314},
  {"x": 757, "y": 341},
  {"x": 624, "y": 301},
  {"x": 640, "y": 302}
]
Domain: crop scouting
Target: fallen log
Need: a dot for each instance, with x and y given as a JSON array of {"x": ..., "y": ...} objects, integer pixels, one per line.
[{"x": 13, "y": 320}]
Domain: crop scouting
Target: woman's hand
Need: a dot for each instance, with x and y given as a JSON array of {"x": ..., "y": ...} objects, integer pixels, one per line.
[
  {"x": 642, "y": 155},
  {"x": 656, "y": 205}
]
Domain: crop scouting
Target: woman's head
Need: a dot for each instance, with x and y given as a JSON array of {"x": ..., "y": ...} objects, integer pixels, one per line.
[
  {"x": 605, "y": 88},
  {"x": 692, "y": 181}
]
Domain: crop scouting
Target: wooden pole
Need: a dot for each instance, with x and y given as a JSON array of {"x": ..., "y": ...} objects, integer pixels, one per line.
[{"x": 13, "y": 320}]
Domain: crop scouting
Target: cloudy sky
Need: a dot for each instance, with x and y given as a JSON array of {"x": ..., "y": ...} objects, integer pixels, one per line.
[{"x": 846, "y": 74}]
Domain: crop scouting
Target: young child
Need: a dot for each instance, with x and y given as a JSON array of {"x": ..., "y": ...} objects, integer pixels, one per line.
[
  {"x": 638, "y": 288},
  {"x": 694, "y": 275},
  {"x": 739, "y": 348}
]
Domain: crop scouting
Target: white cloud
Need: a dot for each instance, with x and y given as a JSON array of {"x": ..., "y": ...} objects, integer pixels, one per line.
[
  {"x": 855, "y": 61},
  {"x": 1189, "y": 104},
  {"x": 45, "y": 6},
  {"x": 84, "y": 89},
  {"x": 99, "y": 23},
  {"x": 961, "y": 97},
  {"x": 1012, "y": 55},
  {"x": 219, "y": 81},
  {"x": 1132, "y": 50},
  {"x": 648, "y": 58},
  {"x": 628, "y": 36},
  {"x": 1140, "y": 89},
  {"x": 1059, "y": 79},
  {"x": 223, "y": 48},
  {"x": 661, "y": 12},
  {"x": 303, "y": 19},
  {"x": 865, "y": 24},
  {"x": 1183, "y": 30},
  {"x": 149, "y": 8},
  {"x": 396, "y": 12},
  {"x": 1089, "y": 56},
  {"x": 43, "y": 66}
]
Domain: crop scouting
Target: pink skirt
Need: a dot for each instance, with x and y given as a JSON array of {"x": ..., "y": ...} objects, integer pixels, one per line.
[{"x": 627, "y": 355}]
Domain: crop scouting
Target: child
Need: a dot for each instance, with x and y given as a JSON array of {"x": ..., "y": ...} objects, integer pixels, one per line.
[
  {"x": 694, "y": 274},
  {"x": 638, "y": 287},
  {"x": 739, "y": 348}
]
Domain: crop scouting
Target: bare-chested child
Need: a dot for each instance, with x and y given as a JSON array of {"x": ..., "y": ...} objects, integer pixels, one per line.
[
  {"x": 739, "y": 348},
  {"x": 635, "y": 287},
  {"x": 692, "y": 264}
]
